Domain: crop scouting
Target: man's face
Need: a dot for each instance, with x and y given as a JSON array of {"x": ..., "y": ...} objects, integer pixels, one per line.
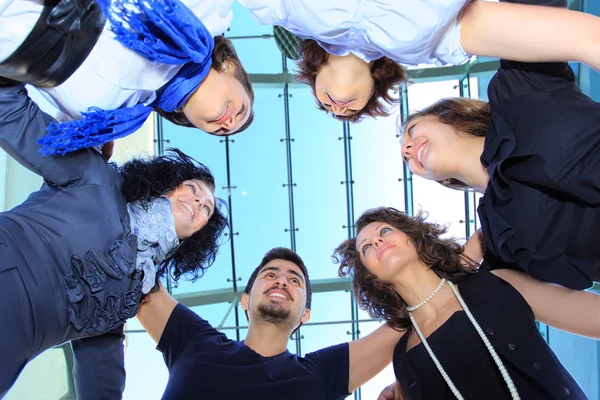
[{"x": 278, "y": 296}]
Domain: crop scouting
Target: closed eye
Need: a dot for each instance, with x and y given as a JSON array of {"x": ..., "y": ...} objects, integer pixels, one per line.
[
  {"x": 364, "y": 249},
  {"x": 192, "y": 187}
]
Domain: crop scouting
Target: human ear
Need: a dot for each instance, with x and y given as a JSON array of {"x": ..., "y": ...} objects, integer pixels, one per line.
[
  {"x": 305, "y": 316},
  {"x": 244, "y": 302}
]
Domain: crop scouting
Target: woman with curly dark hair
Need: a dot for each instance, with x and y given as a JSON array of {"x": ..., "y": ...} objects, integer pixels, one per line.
[
  {"x": 107, "y": 64},
  {"x": 350, "y": 61},
  {"x": 469, "y": 332},
  {"x": 79, "y": 254}
]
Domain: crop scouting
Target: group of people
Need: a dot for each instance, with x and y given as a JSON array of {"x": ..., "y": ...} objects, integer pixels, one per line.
[{"x": 88, "y": 250}]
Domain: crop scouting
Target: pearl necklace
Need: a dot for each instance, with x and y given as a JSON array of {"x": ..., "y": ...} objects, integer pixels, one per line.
[
  {"x": 421, "y": 304},
  {"x": 509, "y": 382}
]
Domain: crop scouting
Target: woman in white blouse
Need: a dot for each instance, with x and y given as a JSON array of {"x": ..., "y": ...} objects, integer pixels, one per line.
[
  {"x": 113, "y": 76},
  {"x": 351, "y": 38}
]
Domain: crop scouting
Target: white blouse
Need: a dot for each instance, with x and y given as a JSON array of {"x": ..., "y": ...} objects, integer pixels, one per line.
[
  {"x": 410, "y": 32},
  {"x": 112, "y": 76}
]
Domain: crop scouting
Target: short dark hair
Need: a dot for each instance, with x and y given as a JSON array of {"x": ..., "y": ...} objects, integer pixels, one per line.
[
  {"x": 386, "y": 74},
  {"x": 147, "y": 179},
  {"x": 223, "y": 51},
  {"x": 379, "y": 298},
  {"x": 282, "y": 253}
]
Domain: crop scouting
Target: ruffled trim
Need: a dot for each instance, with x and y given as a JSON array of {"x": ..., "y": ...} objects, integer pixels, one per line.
[
  {"x": 91, "y": 310},
  {"x": 499, "y": 235}
]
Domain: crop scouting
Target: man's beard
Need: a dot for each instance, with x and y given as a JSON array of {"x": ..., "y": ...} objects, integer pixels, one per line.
[{"x": 272, "y": 314}]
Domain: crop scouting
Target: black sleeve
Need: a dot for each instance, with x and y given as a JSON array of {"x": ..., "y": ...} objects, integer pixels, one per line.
[
  {"x": 333, "y": 366},
  {"x": 22, "y": 123},
  {"x": 183, "y": 327},
  {"x": 99, "y": 366}
]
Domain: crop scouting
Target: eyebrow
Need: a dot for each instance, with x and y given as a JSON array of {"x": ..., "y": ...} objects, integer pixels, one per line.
[{"x": 277, "y": 269}]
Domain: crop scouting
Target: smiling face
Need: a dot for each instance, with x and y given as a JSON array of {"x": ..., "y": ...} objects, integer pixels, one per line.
[
  {"x": 220, "y": 105},
  {"x": 385, "y": 250},
  {"x": 429, "y": 147},
  {"x": 278, "y": 295},
  {"x": 192, "y": 205},
  {"x": 344, "y": 85}
]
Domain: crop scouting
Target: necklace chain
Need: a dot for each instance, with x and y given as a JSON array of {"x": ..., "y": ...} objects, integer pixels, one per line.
[
  {"x": 509, "y": 382},
  {"x": 421, "y": 304}
]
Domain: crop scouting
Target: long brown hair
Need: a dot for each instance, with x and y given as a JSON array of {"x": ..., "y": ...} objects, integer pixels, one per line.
[
  {"x": 379, "y": 298},
  {"x": 386, "y": 74},
  {"x": 222, "y": 52},
  {"x": 466, "y": 115}
]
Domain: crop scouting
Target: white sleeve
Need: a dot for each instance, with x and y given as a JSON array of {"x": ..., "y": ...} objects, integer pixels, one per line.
[
  {"x": 266, "y": 12},
  {"x": 449, "y": 50},
  {"x": 17, "y": 19},
  {"x": 216, "y": 15}
]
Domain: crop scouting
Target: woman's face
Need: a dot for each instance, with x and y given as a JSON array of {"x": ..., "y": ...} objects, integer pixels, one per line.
[
  {"x": 429, "y": 148},
  {"x": 344, "y": 85},
  {"x": 385, "y": 250},
  {"x": 192, "y": 205},
  {"x": 220, "y": 105}
]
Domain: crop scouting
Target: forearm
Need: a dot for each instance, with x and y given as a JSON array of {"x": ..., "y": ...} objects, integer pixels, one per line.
[
  {"x": 474, "y": 248},
  {"x": 529, "y": 33},
  {"x": 155, "y": 310},
  {"x": 99, "y": 366},
  {"x": 371, "y": 354},
  {"x": 574, "y": 311}
]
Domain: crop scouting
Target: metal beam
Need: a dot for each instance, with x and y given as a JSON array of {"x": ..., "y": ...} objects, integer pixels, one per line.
[
  {"x": 416, "y": 75},
  {"x": 226, "y": 295}
]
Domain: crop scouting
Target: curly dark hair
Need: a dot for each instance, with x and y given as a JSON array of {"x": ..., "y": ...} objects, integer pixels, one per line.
[
  {"x": 223, "y": 51},
  {"x": 386, "y": 74},
  {"x": 379, "y": 298},
  {"x": 466, "y": 115},
  {"x": 147, "y": 179}
]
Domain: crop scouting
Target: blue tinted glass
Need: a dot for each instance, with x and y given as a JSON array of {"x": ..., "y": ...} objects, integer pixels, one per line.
[
  {"x": 377, "y": 163},
  {"x": 258, "y": 172},
  {"x": 320, "y": 195}
]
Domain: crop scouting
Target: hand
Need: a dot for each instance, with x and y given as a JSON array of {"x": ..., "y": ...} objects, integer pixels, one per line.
[
  {"x": 107, "y": 149},
  {"x": 391, "y": 392},
  {"x": 474, "y": 248}
]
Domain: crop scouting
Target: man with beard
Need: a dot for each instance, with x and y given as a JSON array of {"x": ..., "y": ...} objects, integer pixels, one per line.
[{"x": 204, "y": 364}]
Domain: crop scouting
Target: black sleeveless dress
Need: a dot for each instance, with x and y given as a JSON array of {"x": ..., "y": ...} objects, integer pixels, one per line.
[{"x": 509, "y": 324}]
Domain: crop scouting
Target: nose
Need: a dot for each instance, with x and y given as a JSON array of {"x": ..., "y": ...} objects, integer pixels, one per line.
[
  {"x": 406, "y": 148},
  {"x": 229, "y": 124},
  {"x": 200, "y": 200},
  {"x": 282, "y": 280},
  {"x": 337, "y": 110},
  {"x": 376, "y": 241}
]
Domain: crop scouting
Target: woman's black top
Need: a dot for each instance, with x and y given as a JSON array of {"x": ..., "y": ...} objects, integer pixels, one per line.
[
  {"x": 509, "y": 324},
  {"x": 540, "y": 210}
]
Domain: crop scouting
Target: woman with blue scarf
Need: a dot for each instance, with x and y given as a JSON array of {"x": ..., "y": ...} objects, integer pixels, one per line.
[
  {"x": 80, "y": 253},
  {"x": 106, "y": 65}
]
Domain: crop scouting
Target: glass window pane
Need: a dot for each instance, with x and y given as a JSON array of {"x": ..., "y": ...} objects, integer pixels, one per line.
[
  {"x": 45, "y": 378},
  {"x": 377, "y": 163},
  {"x": 320, "y": 194},
  {"x": 259, "y": 198}
]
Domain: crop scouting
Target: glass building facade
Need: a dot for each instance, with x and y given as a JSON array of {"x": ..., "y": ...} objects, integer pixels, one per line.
[{"x": 298, "y": 178}]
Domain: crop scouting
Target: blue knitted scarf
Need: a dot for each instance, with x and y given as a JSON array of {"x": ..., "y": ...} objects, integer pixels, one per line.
[{"x": 164, "y": 31}]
